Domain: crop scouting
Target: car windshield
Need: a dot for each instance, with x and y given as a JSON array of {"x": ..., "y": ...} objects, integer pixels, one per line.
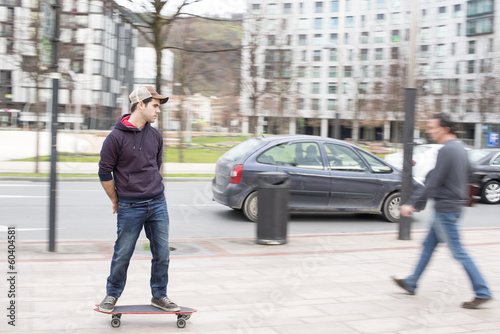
[
  {"x": 240, "y": 150},
  {"x": 476, "y": 155}
]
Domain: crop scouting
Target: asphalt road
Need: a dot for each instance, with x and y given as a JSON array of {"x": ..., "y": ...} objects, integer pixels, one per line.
[{"x": 84, "y": 213}]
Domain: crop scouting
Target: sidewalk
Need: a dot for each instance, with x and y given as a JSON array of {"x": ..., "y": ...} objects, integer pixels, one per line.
[
  {"x": 92, "y": 168},
  {"x": 313, "y": 284}
]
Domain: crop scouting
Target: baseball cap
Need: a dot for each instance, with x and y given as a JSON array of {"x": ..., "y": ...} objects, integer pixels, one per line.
[{"x": 145, "y": 92}]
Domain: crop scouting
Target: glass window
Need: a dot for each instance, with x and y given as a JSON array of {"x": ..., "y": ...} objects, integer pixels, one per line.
[
  {"x": 317, "y": 55},
  {"x": 318, "y": 23},
  {"x": 315, "y": 88},
  {"x": 347, "y": 71},
  {"x": 334, "y": 39},
  {"x": 332, "y": 88},
  {"x": 364, "y": 54},
  {"x": 343, "y": 159},
  {"x": 375, "y": 164},
  {"x": 332, "y": 104},
  {"x": 287, "y": 8},
  {"x": 365, "y": 36},
  {"x": 316, "y": 72},
  {"x": 349, "y": 21},
  {"x": 332, "y": 72},
  {"x": 318, "y": 7},
  {"x": 334, "y": 22},
  {"x": 302, "y": 39},
  {"x": 335, "y": 6},
  {"x": 303, "y": 155}
]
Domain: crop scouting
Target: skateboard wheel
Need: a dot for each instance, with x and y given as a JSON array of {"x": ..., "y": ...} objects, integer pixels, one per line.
[
  {"x": 115, "y": 322},
  {"x": 181, "y": 323}
]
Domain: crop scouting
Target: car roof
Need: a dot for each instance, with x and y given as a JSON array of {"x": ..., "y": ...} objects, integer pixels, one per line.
[{"x": 285, "y": 138}]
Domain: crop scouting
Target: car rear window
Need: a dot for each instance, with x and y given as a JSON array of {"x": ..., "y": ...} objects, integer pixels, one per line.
[{"x": 240, "y": 150}]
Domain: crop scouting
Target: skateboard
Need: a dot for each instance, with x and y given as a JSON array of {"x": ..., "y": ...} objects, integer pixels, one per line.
[{"x": 182, "y": 316}]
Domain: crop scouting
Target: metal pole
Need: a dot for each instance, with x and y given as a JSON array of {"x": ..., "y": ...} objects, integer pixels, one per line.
[
  {"x": 409, "y": 125},
  {"x": 53, "y": 155},
  {"x": 53, "y": 163}
]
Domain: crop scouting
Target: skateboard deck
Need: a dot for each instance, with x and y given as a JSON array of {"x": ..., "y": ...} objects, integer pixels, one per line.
[{"x": 182, "y": 316}]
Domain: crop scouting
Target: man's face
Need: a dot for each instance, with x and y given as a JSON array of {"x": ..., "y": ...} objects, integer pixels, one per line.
[
  {"x": 151, "y": 110},
  {"x": 435, "y": 131}
]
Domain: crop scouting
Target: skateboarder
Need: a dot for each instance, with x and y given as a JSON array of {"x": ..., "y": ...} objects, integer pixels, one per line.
[{"x": 129, "y": 171}]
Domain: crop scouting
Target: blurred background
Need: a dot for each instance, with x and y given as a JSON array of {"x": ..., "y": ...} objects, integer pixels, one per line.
[{"x": 239, "y": 68}]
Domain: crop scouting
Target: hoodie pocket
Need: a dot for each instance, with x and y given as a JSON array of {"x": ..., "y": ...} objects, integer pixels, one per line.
[{"x": 139, "y": 182}]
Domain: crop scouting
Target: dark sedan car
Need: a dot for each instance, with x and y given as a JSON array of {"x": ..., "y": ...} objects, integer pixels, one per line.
[
  {"x": 327, "y": 175},
  {"x": 486, "y": 172}
]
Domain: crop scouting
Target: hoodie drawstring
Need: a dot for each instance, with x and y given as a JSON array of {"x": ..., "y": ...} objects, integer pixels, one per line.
[
  {"x": 142, "y": 139},
  {"x": 134, "y": 139}
]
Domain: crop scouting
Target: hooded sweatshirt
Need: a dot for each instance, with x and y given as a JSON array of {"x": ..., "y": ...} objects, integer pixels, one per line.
[{"x": 133, "y": 158}]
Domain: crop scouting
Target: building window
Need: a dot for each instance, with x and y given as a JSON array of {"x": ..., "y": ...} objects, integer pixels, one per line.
[
  {"x": 303, "y": 23},
  {"x": 347, "y": 71},
  {"x": 380, "y": 19},
  {"x": 315, "y": 104},
  {"x": 302, "y": 39},
  {"x": 457, "y": 11},
  {"x": 271, "y": 40},
  {"x": 395, "y": 36},
  {"x": 332, "y": 104},
  {"x": 363, "y": 88},
  {"x": 364, "y": 54},
  {"x": 332, "y": 88},
  {"x": 318, "y": 39},
  {"x": 396, "y": 17},
  {"x": 470, "y": 66},
  {"x": 378, "y": 71},
  {"x": 379, "y": 36},
  {"x": 333, "y": 55},
  {"x": 379, "y": 54},
  {"x": 441, "y": 50},
  {"x": 380, "y": 4},
  {"x": 394, "y": 53},
  {"x": 441, "y": 31},
  {"x": 318, "y": 23},
  {"x": 349, "y": 21},
  {"x": 287, "y": 8},
  {"x": 317, "y": 55},
  {"x": 335, "y": 6},
  {"x": 334, "y": 22},
  {"x": 316, "y": 72},
  {"x": 315, "y": 88},
  {"x": 441, "y": 13},
  {"x": 318, "y": 8},
  {"x": 472, "y": 47},
  {"x": 332, "y": 72},
  {"x": 480, "y": 26},
  {"x": 334, "y": 39},
  {"x": 365, "y": 37}
]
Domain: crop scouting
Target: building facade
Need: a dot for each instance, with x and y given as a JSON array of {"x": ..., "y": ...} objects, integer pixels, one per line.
[
  {"x": 96, "y": 63},
  {"x": 339, "y": 68}
]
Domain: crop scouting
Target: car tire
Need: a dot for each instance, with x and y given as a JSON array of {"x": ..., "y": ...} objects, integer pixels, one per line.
[
  {"x": 250, "y": 206},
  {"x": 390, "y": 210},
  {"x": 490, "y": 192}
]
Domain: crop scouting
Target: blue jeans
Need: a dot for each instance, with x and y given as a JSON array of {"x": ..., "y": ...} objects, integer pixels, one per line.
[
  {"x": 132, "y": 217},
  {"x": 444, "y": 229}
]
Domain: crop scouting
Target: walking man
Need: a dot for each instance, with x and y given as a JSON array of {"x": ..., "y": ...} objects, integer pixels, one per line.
[
  {"x": 129, "y": 171},
  {"x": 447, "y": 184}
]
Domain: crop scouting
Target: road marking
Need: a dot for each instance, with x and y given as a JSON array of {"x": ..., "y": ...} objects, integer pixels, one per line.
[
  {"x": 5, "y": 228},
  {"x": 22, "y": 196}
]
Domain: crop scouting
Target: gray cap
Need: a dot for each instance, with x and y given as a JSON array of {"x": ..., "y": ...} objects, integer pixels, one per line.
[{"x": 145, "y": 92}]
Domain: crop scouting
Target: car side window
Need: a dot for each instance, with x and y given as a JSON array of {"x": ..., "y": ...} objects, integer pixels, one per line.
[
  {"x": 303, "y": 155},
  {"x": 342, "y": 158},
  {"x": 376, "y": 166},
  {"x": 496, "y": 161}
]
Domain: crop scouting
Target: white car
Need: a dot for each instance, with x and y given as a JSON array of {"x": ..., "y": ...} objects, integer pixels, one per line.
[{"x": 424, "y": 159}]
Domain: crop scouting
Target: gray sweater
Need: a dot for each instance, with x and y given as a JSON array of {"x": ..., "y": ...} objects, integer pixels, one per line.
[{"x": 447, "y": 183}]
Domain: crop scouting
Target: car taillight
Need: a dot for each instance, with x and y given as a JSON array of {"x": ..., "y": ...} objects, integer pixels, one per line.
[{"x": 235, "y": 174}]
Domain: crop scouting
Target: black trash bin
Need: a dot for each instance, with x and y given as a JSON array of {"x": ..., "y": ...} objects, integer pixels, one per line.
[{"x": 272, "y": 218}]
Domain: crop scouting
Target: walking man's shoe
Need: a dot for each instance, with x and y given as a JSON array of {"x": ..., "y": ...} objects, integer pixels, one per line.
[
  {"x": 165, "y": 304},
  {"x": 402, "y": 285},
  {"x": 108, "y": 304},
  {"x": 475, "y": 303}
]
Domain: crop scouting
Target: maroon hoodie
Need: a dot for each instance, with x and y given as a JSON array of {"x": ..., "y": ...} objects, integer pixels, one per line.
[{"x": 133, "y": 158}]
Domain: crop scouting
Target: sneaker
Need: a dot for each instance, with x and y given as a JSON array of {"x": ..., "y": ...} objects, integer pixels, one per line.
[
  {"x": 165, "y": 304},
  {"x": 403, "y": 285},
  {"x": 475, "y": 303},
  {"x": 108, "y": 304}
]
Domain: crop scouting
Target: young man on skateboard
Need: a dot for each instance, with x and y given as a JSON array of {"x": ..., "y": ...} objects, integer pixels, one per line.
[{"x": 129, "y": 171}]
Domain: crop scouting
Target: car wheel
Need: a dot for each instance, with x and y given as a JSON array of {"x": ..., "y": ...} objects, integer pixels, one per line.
[
  {"x": 390, "y": 209},
  {"x": 490, "y": 193},
  {"x": 250, "y": 206}
]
